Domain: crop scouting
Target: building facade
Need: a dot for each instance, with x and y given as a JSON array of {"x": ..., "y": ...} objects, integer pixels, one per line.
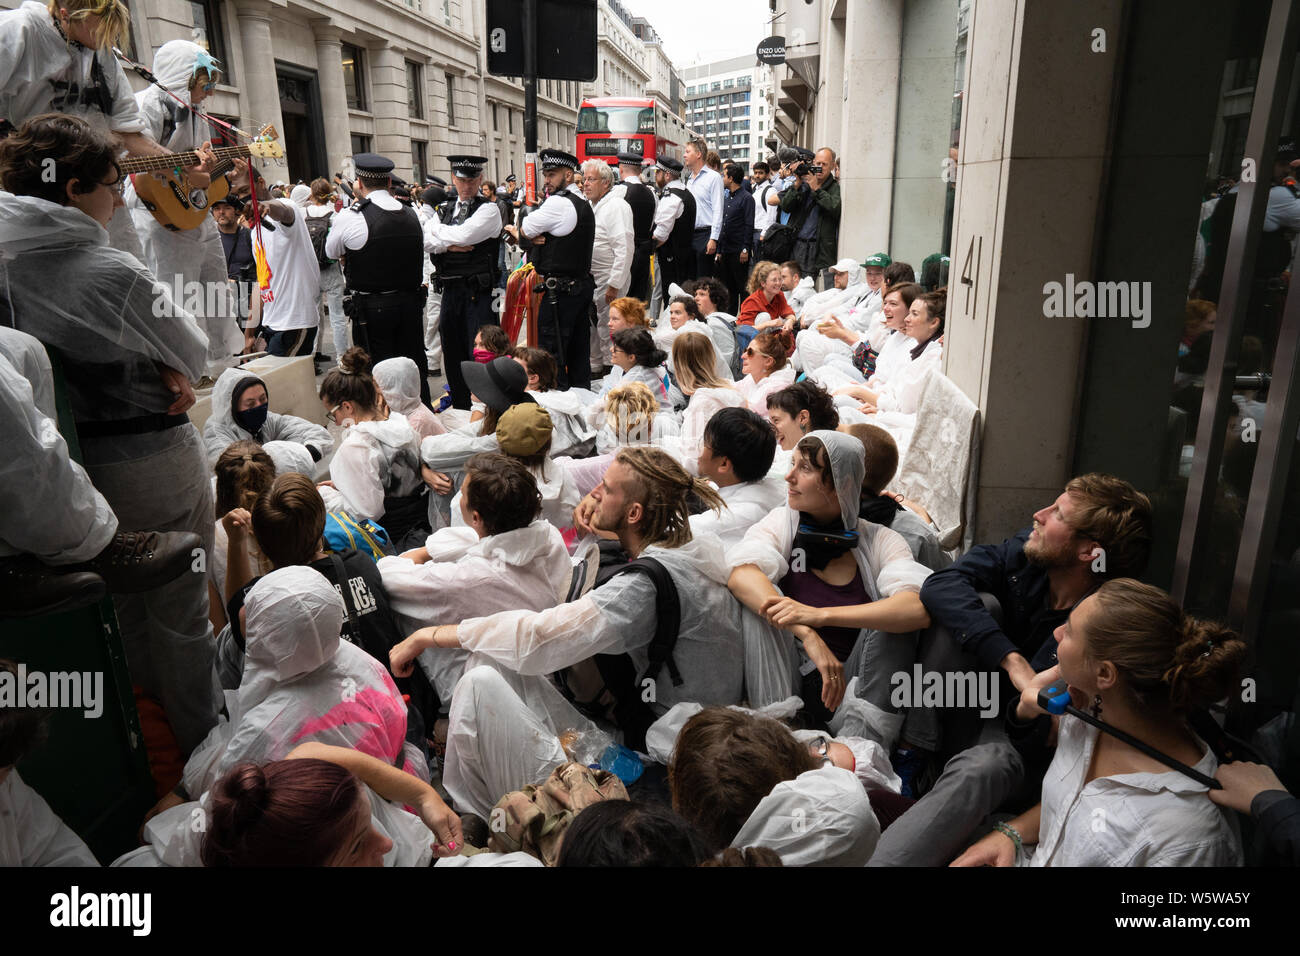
[
  {"x": 623, "y": 63},
  {"x": 725, "y": 105}
]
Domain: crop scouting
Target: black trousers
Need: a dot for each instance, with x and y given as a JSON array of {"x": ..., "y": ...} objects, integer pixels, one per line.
[
  {"x": 465, "y": 306},
  {"x": 391, "y": 325},
  {"x": 564, "y": 330},
  {"x": 640, "y": 287},
  {"x": 670, "y": 271},
  {"x": 734, "y": 274},
  {"x": 703, "y": 261}
]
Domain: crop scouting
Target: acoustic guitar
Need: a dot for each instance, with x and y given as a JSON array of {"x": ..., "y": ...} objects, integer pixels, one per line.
[{"x": 174, "y": 202}]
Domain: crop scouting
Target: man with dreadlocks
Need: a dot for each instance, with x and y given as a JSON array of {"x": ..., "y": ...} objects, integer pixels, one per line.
[{"x": 643, "y": 499}]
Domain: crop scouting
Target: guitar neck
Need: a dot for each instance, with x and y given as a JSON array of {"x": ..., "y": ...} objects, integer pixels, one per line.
[{"x": 150, "y": 164}]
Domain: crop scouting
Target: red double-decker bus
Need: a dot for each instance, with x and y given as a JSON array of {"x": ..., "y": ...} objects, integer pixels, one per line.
[{"x": 612, "y": 124}]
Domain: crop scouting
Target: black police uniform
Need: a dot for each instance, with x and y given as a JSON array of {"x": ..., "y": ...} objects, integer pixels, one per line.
[
  {"x": 564, "y": 263},
  {"x": 677, "y": 254},
  {"x": 642, "y": 200},
  {"x": 385, "y": 285},
  {"x": 466, "y": 281}
]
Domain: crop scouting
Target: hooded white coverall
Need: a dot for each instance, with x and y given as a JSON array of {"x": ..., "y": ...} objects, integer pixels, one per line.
[
  {"x": 221, "y": 429},
  {"x": 41, "y": 72},
  {"x": 190, "y": 261},
  {"x": 883, "y": 558},
  {"x": 114, "y": 325}
]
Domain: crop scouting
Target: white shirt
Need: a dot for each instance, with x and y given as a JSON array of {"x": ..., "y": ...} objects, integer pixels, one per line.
[
  {"x": 32, "y": 834},
  {"x": 485, "y": 224},
  {"x": 611, "y": 253},
  {"x": 349, "y": 229},
  {"x": 902, "y": 391},
  {"x": 555, "y": 217},
  {"x": 667, "y": 212},
  {"x": 746, "y": 504},
  {"x": 295, "y": 273},
  {"x": 706, "y": 186},
  {"x": 1130, "y": 819},
  {"x": 764, "y": 215}
]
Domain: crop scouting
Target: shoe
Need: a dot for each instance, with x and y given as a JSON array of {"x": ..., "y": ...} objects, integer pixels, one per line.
[
  {"x": 136, "y": 561},
  {"x": 207, "y": 381},
  {"x": 910, "y": 763},
  {"x": 29, "y": 588},
  {"x": 321, "y": 358}
]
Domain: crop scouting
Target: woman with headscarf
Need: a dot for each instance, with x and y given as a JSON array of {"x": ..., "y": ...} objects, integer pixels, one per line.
[
  {"x": 838, "y": 576},
  {"x": 241, "y": 411},
  {"x": 187, "y": 260}
]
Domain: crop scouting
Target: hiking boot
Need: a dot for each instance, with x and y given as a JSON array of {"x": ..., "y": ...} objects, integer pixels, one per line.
[
  {"x": 207, "y": 381},
  {"x": 136, "y": 561},
  {"x": 29, "y": 588}
]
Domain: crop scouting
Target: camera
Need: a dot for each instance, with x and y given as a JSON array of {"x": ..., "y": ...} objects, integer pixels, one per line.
[{"x": 804, "y": 169}]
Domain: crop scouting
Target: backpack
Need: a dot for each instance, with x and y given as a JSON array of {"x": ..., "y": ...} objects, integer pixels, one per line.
[
  {"x": 777, "y": 244},
  {"x": 342, "y": 531},
  {"x": 622, "y": 698},
  {"x": 533, "y": 820},
  {"x": 318, "y": 227}
]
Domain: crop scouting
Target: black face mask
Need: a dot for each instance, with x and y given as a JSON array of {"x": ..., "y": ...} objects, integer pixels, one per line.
[
  {"x": 822, "y": 543},
  {"x": 252, "y": 420}
]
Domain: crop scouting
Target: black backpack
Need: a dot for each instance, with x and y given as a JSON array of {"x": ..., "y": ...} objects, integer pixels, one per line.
[
  {"x": 777, "y": 245},
  {"x": 621, "y": 698},
  {"x": 318, "y": 227}
]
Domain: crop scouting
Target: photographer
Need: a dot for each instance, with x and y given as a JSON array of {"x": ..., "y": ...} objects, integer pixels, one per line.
[{"x": 814, "y": 204}]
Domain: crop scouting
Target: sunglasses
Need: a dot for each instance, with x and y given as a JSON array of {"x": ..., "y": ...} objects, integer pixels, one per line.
[{"x": 752, "y": 352}]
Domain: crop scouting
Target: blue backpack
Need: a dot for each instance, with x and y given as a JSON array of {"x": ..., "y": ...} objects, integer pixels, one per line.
[{"x": 342, "y": 531}]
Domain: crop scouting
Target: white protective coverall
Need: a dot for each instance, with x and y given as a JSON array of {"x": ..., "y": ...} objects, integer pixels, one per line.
[
  {"x": 104, "y": 324},
  {"x": 505, "y": 720},
  {"x": 40, "y": 72},
  {"x": 289, "y": 456},
  {"x": 302, "y": 682},
  {"x": 32, "y": 834},
  {"x": 883, "y": 558},
  {"x": 221, "y": 429},
  {"x": 468, "y": 577},
  {"x": 373, "y": 460},
  {"x": 571, "y": 435},
  {"x": 190, "y": 261},
  {"x": 558, "y": 490},
  {"x": 399, "y": 381},
  {"x": 51, "y": 508},
  {"x": 747, "y": 502},
  {"x": 704, "y": 404},
  {"x": 756, "y": 393}
]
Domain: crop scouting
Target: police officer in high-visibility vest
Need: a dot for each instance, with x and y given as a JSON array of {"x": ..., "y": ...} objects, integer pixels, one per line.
[
  {"x": 563, "y": 230},
  {"x": 381, "y": 245},
  {"x": 463, "y": 238},
  {"x": 642, "y": 200}
]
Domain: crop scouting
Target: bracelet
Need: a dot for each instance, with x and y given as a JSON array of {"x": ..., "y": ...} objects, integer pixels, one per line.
[{"x": 1010, "y": 832}]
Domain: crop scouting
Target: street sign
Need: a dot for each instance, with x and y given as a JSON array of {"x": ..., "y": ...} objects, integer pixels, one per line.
[
  {"x": 566, "y": 39},
  {"x": 771, "y": 50}
]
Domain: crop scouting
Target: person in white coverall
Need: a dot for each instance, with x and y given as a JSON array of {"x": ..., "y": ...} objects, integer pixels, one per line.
[
  {"x": 190, "y": 261},
  {"x": 128, "y": 375},
  {"x": 59, "y": 58},
  {"x": 241, "y": 412}
]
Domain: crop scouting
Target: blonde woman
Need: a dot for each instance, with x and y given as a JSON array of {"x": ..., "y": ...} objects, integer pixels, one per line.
[
  {"x": 695, "y": 368},
  {"x": 630, "y": 416}
]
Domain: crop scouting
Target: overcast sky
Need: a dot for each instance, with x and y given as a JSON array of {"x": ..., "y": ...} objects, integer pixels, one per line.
[{"x": 700, "y": 31}]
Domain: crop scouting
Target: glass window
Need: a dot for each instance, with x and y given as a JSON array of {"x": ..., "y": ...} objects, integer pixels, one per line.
[
  {"x": 495, "y": 125},
  {"x": 616, "y": 119},
  {"x": 360, "y": 144},
  {"x": 510, "y": 120},
  {"x": 419, "y": 160},
  {"x": 206, "y": 32},
  {"x": 415, "y": 89},
  {"x": 353, "y": 84},
  {"x": 729, "y": 84},
  {"x": 451, "y": 99}
]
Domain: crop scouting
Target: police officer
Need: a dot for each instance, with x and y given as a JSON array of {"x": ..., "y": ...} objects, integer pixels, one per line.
[
  {"x": 381, "y": 246},
  {"x": 642, "y": 200},
  {"x": 463, "y": 238},
  {"x": 563, "y": 231},
  {"x": 674, "y": 226}
]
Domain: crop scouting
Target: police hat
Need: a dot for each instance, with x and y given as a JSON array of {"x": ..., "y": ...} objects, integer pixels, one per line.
[
  {"x": 372, "y": 166},
  {"x": 1286, "y": 150},
  {"x": 558, "y": 159},
  {"x": 433, "y": 195},
  {"x": 434, "y": 181},
  {"x": 629, "y": 159},
  {"x": 467, "y": 167},
  {"x": 510, "y": 178},
  {"x": 669, "y": 164}
]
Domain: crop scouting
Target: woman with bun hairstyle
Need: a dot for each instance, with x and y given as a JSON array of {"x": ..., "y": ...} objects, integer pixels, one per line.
[
  {"x": 1132, "y": 657},
  {"x": 901, "y": 391},
  {"x": 376, "y": 472},
  {"x": 766, "y": 364}
]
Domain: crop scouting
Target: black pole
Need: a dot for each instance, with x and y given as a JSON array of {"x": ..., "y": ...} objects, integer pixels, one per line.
[{"x": 530, "y": 99}]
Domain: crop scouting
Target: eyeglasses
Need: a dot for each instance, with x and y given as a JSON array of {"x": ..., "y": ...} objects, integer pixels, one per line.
[
  {"x": 752, "y": 352},
  {"x": 820, "y": 747},
  {"x": 118, "y": 184},
  {"x": 329, "y": 416}
]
